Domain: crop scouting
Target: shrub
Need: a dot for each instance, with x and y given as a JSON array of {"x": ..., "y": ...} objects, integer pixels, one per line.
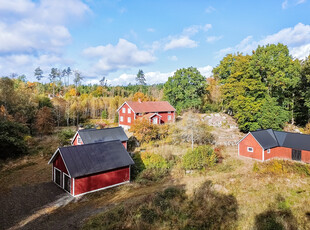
[
  {"x": 138, "y": 167},
  {"x": 151, "y": 175},
  {"x": 65, "y": 135},
  {"x": 152, "y": 160},
  {"x": 199, "y": 158}
]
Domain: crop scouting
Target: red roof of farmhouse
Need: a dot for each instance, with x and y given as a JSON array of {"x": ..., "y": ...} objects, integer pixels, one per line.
[{"x": 150, "y": 106}]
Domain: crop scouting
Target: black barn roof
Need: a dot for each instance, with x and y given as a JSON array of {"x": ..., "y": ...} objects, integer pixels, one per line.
[
  {"x": 99, "y": 135},
  {"x": 82, "y": 160},
  {"x": 269, "y": 138}
]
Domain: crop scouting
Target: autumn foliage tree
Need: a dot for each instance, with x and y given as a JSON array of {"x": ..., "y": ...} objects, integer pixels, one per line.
[
  {"x": 44, "y": 121},
  {"x": 144, "y": 131}
]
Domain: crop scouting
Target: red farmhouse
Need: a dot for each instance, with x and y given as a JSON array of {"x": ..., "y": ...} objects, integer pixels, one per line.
[
  {"x": 87, "y": 136},
  {"x": 267, "y": 144},
  {"x": 158, "y": 112},
  {"x": 88, "y": 168}
]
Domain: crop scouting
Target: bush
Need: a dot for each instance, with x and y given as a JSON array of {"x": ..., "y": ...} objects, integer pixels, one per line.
[
  {"x": 65, "y": 135},
  {"x": 152, "y": 160},
  {"x": 199, "y": 158},
  {"x": 151, "y": 175}
]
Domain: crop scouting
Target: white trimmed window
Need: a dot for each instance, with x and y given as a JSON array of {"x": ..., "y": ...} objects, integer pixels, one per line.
[
  {"x": 169, "y": 112},
  {"x": 169, "y": 117},
  {"x": 268, "y": 150},
  {"x": 79, "y": 140},
  {"x": 129, "y": 110},
  {"x": 250, "y": 149},
  {"x": 121, "y": 118},
  {"x": 129, "y": 119},
  {"x": 124, "y": 110}
]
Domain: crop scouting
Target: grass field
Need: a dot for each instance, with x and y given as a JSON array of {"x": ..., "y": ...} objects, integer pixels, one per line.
[{"x": 237, "y": 193}]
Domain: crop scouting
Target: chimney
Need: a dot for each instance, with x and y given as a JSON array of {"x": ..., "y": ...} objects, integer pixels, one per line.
[{"x": 139, "y": 100}]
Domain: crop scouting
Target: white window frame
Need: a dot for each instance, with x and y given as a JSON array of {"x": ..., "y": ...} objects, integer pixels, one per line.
[
  {"x": 79, "y": 140},
  {"x": 155, "y": 119},
  {"x": 169, "y": 117},
  {"x": 124, "y": 110},
  {"x": 169, "y": 112},
  {"x": 268, "y": 150},
  {"x": 129, "y": 119},
  {"x": 63, "y": 182},
  {"x": 128, "y": 110},
  {"x": 250, "y": 149},
  {"x": 55, "y": 176},
  {"x": 121, "y": 118}
]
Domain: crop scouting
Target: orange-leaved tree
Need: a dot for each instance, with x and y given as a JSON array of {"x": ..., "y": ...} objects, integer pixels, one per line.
[{"x": 144, "y": 131}]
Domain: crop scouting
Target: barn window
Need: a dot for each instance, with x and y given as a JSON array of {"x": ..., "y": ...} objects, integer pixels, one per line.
[
  {"x": 79, "y": 141},
  {"x": 129, "y": 110},
  {"x": 169, "y": 117},
  {"x": 129, "y": 119},
  {"x": 169, "y": 112},
  {"x": 155, "y": 120},
  {"x": 121, "y": 118},
  {"x": 250, "y": 149},
  {"x": 124, "y": 110},
  {"x": 268, "y": 150},
  {"x": 57, "y": 177},
  {"x": 66, "y": 182}
]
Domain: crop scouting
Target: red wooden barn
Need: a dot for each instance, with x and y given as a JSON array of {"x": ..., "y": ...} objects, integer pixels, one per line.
[
  {"x": 267, "y": 144},
  {"x": 87, "y": 136},
  {"x": 88, "y": 168},
  {"x": 158, "y": 112}
]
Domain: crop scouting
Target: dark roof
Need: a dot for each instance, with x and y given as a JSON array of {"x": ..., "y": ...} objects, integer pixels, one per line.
[
  {"x": 266, "y": 138},
  {"x": 99, "y": 135},
  {"x": 269, "y": 138},
  {"x": 82, "y": 160},
  {"x": 150, "y": 106}
]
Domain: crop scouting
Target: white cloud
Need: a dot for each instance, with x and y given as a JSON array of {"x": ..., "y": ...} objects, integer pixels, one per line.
[
  {"x": 288, "y": 3},
  {"x": 180, "y": 42},
  {"x": 153, "y": 77},
  {"x": 194, "y": 29},
  {"x": 206, "y": 71},
  {"x": 31, "y": 31},
  {"x": 123, "y": 55},
  {"x": 297, "y": 39},
  {"x": 210, "y": 9},
  {"x": 173, "y": 58},
  {"x": 151, "y": 30},
  {"x": 212, "y": 39}
]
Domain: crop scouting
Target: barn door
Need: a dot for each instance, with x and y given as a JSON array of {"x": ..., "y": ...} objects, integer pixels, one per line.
[
  {"x": 296, "y": 155},
  {"x": 66, "y": 184}
]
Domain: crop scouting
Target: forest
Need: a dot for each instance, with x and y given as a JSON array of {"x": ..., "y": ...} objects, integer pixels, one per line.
[{"x": 267, "y": 89}]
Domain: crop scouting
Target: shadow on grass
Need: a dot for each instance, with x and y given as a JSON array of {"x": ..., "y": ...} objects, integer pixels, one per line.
[
  {"x": 278, "y": 216},
  {"x": 172, "y": 209}
]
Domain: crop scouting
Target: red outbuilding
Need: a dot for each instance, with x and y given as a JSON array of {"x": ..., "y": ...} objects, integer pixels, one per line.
[
  {"x": 88, "y": 136},
  {"x": 158, "y": 112},
  {"x": 82, "y": 169},
  {"x": 267, "y": 144}
]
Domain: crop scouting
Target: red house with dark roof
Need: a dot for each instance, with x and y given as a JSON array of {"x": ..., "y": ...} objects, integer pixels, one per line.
[
  {"x": 157, "y": 112},
  {"x": 91, "y": 167},
  {"x": 267, "y": 144},
  {"x": 88, "y": 136}
]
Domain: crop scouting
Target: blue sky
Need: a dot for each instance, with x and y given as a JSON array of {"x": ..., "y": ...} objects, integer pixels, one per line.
[{"x": 117, "y": 38}]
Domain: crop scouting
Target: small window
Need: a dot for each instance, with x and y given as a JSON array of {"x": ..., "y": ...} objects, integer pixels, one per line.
[
  {"x": 124, "y": 110},
  {"x": 121, "y": 118},
  {"x": 79, "y": 141},
  {"x": 169, "y": 117},
  {"x": 250, "y": 149},
  {"x": 268, "y": 150},
  {"x": 169, "y": 112},
  {"x": 129, "y": 119},
  {"x": 155, "y": 121},
  {"x": 129, "y": 110}
]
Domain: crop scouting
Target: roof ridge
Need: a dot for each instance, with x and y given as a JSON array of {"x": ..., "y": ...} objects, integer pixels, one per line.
[
  {"x": 276, "y": 137},
  {"x": 93, "y": 129},
  {"x": 100, "y": 142}
]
